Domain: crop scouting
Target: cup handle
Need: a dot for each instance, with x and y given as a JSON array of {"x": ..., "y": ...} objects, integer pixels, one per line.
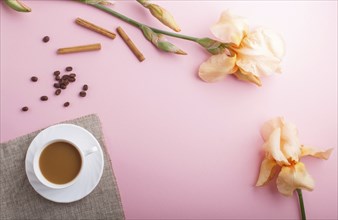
[{"x": 90, "y": 151}]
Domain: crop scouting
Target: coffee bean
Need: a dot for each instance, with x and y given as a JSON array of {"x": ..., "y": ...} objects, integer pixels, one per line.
[
  {"x": 71, "y": 79},
  {"x": 44, "y": 98},
  {"x": 63, "y": 86},
  {"x": 34, "y": 78},
  {"x": 57, "y": 92},
  {"x": 56, "y": 73},
  {"x": 66, "y": 104},
  {"x": 85, "y": 87},
  {"x": 45, "y": 39},
  {"x": 69, "y": 68},
  {"x": 64, "y": 81},
  {"x": 83, "y": 93},
  {"x": 57, "y": 77},
  {"x": 64, "y": 77},
  {"x": 56, "y": 85},
  {"x": 72, "y": 75},
  {"x": 24, "y": 109}
]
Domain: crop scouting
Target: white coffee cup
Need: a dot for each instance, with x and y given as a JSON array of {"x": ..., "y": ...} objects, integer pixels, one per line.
[{"x": 36, "y": 165}]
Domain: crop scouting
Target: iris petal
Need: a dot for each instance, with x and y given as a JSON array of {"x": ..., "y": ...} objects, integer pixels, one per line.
[
  {"x": 294, "y": 177},
  {"x": 290, "y": 140},
  {"x": 248, "y": 77},
  {"x": 272, "y": 147},
  {"x": 270, "y": 126},
  {"x": 321, "y": 154},
  {"x": 267, "y": 171},
  {"x": 260, "y": 52},
  {"x": 230, "y": 28},
  {"x": 217, "y": 67}
]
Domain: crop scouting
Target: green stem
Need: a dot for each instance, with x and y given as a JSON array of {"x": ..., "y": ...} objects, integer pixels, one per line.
[
  {"x": 138, "y": 24},
  {"x": 301, "y": 203}
]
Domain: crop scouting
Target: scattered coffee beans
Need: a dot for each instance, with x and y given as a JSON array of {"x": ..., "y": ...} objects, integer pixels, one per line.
[
  {"x": 69, "y": 68},
  {"x": 63, "y": 86},
  {"x": 83, "y": 93},
  {"x": 56, "y": 85},
  {"x": 45, "y": 39},
  {"x": 34, "y": 78},
  {"x": 57, "y": 92},
  {"x": 62, "y": 81},
  {"x": 44, "y": 98}
]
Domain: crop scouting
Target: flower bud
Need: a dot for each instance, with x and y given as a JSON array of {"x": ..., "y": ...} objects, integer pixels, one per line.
[
  {"x": 160, "y": 41},
  {"x": 166, "y": 46},
  {"x": 161, "y": 14},
  {"x": 17, "y": 6},
  {"x": 148, "y": 33}
]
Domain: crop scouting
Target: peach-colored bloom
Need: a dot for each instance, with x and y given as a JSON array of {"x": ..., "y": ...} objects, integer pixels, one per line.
[
  {"x": 283, "y": 150},
  {"x": 253, "y": 53}
]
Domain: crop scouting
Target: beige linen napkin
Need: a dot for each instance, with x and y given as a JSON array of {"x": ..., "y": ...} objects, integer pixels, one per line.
[{"x": 18, "y": 199}]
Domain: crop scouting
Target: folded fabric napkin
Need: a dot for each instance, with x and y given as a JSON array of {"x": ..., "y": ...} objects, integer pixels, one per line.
[{"x": 18, "y": 199}]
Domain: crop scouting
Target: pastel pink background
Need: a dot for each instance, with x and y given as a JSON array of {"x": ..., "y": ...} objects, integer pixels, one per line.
[{"x": 181, "y": 148}]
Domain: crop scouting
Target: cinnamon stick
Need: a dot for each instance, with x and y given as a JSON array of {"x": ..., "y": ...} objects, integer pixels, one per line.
[
  {"x": 81, "y": 48},
  {"x": 130, "y": 44},
  {"x": 93, "y": 27}
]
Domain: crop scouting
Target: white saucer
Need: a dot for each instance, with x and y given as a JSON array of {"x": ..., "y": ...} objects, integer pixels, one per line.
[{"x": 92, "y": 170}]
